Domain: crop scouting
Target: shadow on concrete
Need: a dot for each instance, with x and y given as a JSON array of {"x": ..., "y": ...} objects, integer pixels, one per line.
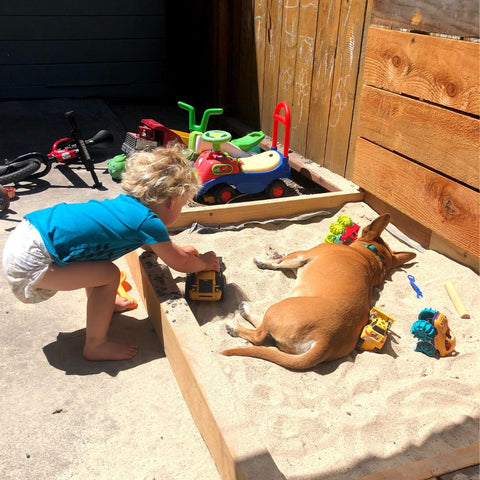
[{"x": 66, "y": 352}]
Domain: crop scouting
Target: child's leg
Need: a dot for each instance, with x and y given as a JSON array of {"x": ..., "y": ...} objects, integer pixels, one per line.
[{"x": 100, "y": 279}]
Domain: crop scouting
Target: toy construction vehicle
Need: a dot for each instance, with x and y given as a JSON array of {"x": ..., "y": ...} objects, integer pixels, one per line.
[
  {"x": 375, "y": 332},
  {"x": 150, "y": 134},
  {"x": 205, "y": 286},
  {"x": 434, "y": 337}
]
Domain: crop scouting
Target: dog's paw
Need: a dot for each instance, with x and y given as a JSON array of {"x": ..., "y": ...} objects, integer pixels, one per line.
[
  {"x": 231, "y": 330},
  {"x": 244, "y": 309},
  {"x": 263, "y": 264}
]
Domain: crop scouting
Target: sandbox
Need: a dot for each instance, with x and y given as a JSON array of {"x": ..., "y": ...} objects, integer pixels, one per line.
[{"x": 372, "y": 415}]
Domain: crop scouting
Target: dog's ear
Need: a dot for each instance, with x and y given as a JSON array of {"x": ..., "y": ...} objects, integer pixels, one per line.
[
  {"x": 399, "y": 258},
  {"x": 376, "y": 228}
]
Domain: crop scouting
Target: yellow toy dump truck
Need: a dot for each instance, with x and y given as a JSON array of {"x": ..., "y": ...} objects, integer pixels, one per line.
[{"x": 375, "y": 332}]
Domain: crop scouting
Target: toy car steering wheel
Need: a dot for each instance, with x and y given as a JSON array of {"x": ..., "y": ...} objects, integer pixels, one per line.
[{"x": 216, "y": 138}]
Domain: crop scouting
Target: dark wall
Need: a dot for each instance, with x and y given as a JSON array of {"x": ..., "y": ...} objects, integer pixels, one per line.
[{"x": 108, "y": 48}]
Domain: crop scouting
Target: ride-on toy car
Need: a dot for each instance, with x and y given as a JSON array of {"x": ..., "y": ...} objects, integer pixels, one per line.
[{"x": 224, "y": 177}]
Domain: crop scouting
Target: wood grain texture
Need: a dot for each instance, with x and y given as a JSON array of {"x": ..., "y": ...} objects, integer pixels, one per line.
[
  {"x": 302, "y": 81},
  {"x": 442, "y": 139},
  {"x": 264, "y": 209},
  {"x": 438, "y": 70},
  {"x": 451, "y": 17},
  {"x": 445, "y": 207},
  {"x": 231, "y": 437},
  {"x": 322, "y": 80},
  {"x": 349, "y": 43},
  {"x": 273, "y": 35}
]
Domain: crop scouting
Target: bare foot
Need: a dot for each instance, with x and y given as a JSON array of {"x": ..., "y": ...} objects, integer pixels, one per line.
[
  {"x": 122, "y": 304},
  {"x": 110, "y": 350}
]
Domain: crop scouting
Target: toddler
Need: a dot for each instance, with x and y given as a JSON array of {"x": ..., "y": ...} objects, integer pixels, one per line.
[{"x": 72, "y": 246}]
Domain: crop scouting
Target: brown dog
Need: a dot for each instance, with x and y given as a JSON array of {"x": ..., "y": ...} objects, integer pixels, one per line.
[{"x": 329, "y": 305}]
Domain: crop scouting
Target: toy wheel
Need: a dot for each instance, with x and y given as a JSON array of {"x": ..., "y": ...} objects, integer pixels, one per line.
[
  {"x": 276, "y": 189},
  {"x": 4, "y": 199},
  {"x": 18, "y": 170},
  {"x": 216, "y": 138},
  {"x": 224, "y": 193},
  {"x": 426, "y": 314},
  {"x": 423, "y": 330},
  {"x": 427, "y": 348}
]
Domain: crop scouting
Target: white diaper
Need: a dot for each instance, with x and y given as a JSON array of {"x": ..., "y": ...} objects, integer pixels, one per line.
[{"x": 25, "y": 260}]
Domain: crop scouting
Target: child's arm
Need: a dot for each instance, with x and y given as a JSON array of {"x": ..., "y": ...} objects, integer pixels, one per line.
[{"x": 185, "y": 259}]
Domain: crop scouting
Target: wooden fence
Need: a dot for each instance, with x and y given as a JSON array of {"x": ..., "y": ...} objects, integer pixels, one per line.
[
  {"x": 300, "y": 51},
  {"x": 417, "y": 149},
  {"x": 395, "y": 109}
]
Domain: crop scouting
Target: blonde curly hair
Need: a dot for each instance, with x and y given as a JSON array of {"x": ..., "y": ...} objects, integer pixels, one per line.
[{"x": 155, "y": 175}]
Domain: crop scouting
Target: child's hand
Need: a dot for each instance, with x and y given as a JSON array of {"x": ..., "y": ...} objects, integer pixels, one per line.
[
  {"x": 190, "y": 249},
  {"x": 211, "y": 261}
]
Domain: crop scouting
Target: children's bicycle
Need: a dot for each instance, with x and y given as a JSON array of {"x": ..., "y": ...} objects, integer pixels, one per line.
[{"x": 34, "y": 165}]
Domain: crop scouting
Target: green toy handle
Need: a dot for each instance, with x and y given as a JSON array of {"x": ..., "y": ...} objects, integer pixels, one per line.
[
  {"x": 206, "y": 116},
  {"x": 216, "y": 138}
]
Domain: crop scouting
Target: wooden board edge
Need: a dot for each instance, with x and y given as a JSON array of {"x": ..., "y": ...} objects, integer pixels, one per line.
[
  {"x": 421, "y": 234},
  {"x": 448, "y": 208},
  {"x": 431, "y": 467},
  {"x": 450, "y": 250},
  {"x": 220, "y": 417},
  {"x": 264, "y": 209}
]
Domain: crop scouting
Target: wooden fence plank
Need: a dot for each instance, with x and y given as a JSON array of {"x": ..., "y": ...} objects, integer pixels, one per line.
[
  {"x": 273, "y": 33},
  {"x": 447, "y": 208},
  {"x": 349, "y": 45},
  {"x": 307, "y": 25},
  {"x": 442, "y": 139},
  {"x": 451, "y": 17},
  {"x": 260, "y": 9},
  {"x": 288, "y": 51},
  {"x": 322, "y": 81},
  {"x": 438, "y": 70}
]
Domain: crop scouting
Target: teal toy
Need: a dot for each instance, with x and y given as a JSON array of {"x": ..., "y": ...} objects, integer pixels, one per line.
[{"x": 435, "y": 338}]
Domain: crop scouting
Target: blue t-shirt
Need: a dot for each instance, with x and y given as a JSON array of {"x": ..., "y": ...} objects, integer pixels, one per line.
[{"x": 97, "y": 230}]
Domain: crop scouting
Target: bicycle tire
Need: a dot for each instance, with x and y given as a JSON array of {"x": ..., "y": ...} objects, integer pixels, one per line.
[
  {"x": 43, "y": 159},
  {"x": 4, "y": 199},
  {"x": 19, "y": 171}
]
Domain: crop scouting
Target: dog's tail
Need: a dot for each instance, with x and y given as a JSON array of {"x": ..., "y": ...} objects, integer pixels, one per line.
[{"x": 306, "y": 360}]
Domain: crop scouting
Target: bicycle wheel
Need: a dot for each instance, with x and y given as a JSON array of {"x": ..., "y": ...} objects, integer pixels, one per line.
[
  {"x": 43, "y": 159},
  {"x": 4, "y": 199},
  {"x": 17, "y": 171}
]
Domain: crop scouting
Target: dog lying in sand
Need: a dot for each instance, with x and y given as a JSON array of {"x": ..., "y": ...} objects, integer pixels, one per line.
[{"x": 324, "y": 314}]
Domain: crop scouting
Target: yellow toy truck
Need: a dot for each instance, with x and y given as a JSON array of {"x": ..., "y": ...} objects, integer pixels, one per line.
[
  {"x": 205, "y": 286},
  {"x": 375, "y": 332}
]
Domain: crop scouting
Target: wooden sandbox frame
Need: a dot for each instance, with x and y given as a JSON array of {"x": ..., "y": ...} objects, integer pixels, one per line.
[{"x": 222, "y": 420}]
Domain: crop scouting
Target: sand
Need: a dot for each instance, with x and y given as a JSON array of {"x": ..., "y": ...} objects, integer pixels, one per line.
[{"x": 369, "y": 411}]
